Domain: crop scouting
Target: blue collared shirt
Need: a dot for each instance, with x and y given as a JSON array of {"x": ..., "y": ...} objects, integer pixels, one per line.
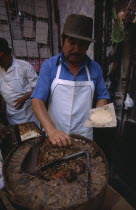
[{"x": 48, "y": 73}]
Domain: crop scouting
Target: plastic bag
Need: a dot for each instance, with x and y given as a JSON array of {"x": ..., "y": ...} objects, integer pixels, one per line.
[{"x": 129, "y": 103}]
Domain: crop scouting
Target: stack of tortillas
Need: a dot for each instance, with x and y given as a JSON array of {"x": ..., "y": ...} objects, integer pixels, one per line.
[{"x": 102, "y": 117}]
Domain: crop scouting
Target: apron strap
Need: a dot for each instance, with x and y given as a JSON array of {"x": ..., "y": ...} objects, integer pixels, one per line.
[
  {"x": 58, "y": 70},
  {"x": 87, "y": 71}
]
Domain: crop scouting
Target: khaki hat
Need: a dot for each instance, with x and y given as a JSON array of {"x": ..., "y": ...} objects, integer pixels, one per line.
[{"x": 79, "y": 26}]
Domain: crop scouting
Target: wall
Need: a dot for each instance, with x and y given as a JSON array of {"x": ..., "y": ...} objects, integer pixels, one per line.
[
  {"x": 25, "y": 25},
  {"x": 67, "y": 7}
]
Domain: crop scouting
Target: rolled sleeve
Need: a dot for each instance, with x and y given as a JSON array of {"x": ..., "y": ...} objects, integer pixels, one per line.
[
  {"x": 101, "y": 89},
  {"x": 43, "y": 85}
]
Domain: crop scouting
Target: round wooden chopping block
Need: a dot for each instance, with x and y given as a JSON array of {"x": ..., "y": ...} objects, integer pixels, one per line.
[{"x": 58, "y": 190}]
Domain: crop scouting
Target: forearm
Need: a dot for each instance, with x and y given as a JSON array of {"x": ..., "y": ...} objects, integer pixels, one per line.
[
  {"x": 101, "y": 102},
  {"x": 27, "y": 95},
  {"x": 19, "y": 103},
  {"x": 42, "y": 115}
]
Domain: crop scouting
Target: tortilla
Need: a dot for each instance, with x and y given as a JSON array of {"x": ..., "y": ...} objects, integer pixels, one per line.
[{"x": 101, "y": 117}]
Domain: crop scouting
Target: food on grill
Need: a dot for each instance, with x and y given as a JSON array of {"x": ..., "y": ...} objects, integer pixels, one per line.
[
  {"x": 62, "y": 186},
  {"x": 13, "y": 135},
  {"x": 28, "y": 130}
]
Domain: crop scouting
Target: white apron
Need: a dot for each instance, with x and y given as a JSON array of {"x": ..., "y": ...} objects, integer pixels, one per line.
[
  {"x": 70, "y": 102},
  {"x": 13, "y": 88}
]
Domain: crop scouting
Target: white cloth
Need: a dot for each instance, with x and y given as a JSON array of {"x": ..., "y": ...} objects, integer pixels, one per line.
[
  {"x": 70, "y": 103},
  {"x": 19, "y": 79},
  {"x": 129, "y": 103}
]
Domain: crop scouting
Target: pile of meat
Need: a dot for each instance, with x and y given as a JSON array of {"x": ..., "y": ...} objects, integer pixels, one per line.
[
  {"x": 63, "y": 186},
  {"x": 71, "y": 168}
]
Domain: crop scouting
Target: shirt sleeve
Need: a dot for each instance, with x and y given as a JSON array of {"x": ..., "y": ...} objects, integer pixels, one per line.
[
  {"x": 31, "y": 76},
  {"x": 101, "y": 89},
  {"x": 43, "y": 85}
]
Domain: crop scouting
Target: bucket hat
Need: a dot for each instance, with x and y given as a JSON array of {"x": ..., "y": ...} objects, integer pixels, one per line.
[{"x": 79, "y": 26}]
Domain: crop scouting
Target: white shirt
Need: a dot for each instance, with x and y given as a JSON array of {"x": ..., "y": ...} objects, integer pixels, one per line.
[
  {"x": 26, "y": 73},
  {"x": 18, "y": 80}
]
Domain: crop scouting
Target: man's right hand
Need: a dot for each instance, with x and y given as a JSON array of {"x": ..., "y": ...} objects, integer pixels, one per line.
[
  {"x": 59, "y": 138},
  {"x": 56, "y": 137}
]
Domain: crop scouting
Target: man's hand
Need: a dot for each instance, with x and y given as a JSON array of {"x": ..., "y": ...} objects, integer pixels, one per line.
[
  {"x": 56, "y": 137},
  {"x": 59, "y": 138},
  {"x": 101, "y": 102},
  {"x": 19, "y": 103}
]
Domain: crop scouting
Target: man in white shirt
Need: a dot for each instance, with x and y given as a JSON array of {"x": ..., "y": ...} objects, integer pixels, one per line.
[{"x": 17, "y": 80}]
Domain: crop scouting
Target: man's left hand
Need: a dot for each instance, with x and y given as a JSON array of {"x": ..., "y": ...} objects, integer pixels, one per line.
[
  {"x": 101, "y": 102},
  {"x": 19, "y": 103}
]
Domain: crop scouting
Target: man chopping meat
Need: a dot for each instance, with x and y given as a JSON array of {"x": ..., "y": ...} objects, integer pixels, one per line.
[{"x": 69, "y": 79}]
